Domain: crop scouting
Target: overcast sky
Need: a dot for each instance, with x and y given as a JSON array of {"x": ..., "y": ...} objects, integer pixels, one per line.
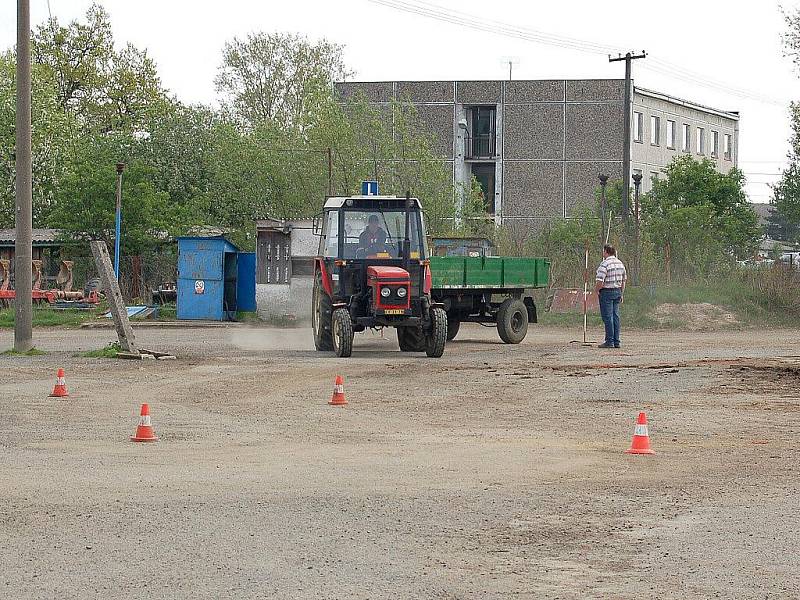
[{"x": 736, "y": 44}]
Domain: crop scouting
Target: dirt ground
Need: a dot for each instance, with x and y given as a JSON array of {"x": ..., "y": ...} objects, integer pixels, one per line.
[{"x": 494, "y": 472}]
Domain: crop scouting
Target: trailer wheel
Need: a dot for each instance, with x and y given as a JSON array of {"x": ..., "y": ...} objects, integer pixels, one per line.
[
  {"x": 410, "y": 339},
  {"x": 342, "y": 333},
  {"x": 321, "y": 316},
  {"x": 512, "y": 321},
  {"x": 436, "y": 336},
  {"x": 453, "y": 325}
]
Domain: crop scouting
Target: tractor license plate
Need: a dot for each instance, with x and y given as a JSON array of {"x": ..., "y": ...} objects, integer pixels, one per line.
[{"x": 394, "y": 311}]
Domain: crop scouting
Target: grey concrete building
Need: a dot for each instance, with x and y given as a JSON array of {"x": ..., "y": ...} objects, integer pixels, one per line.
[
  {"x": 664, "y": 127},
  {"x": 537, "y": 147}
]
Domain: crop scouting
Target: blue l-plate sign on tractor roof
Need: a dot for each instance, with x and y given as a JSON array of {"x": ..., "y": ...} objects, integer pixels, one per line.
[{"x": 369, "y": 188}]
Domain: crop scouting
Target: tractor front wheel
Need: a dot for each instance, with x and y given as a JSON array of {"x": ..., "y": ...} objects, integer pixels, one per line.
[
  {"x": 411, "y": 339},
  {"x": 342, "y": 333},
  {"x": 436, "y": 336}
]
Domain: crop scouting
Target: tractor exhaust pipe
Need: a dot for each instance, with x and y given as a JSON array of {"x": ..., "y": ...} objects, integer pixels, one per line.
[{"x": 407, "y": 241}]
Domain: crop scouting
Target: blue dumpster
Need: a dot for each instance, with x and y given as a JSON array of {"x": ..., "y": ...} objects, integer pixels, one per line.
[
  {"x": 207, "y": 278},
  {"x": 246, "y": 286}
]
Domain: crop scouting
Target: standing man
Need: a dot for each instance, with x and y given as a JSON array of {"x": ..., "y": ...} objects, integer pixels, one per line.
[{"x": 610, "y": 286}]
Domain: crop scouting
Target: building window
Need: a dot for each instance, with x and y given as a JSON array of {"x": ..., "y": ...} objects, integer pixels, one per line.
[
  {"x": 714, "y": 144},
  {"x": 655, "y": 130},
  {"x": 481, "y": 142},
  {"x": 485, "y": 174},
  {"x": 687, "y": 138},
  {"x": 726, "y": 146},
  {"x": 638, "y": 125},
  {"x": 671, "y": 134},
  {"x": 653, "y": 177},
  {"x": 701, "y": 140}
]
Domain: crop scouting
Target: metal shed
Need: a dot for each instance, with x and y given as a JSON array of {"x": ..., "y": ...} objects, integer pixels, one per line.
[{"x": 211, "y": 284}]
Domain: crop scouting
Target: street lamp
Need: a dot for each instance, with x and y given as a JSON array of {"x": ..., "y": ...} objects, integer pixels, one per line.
[
  {"x": 603, "y": 183},
  {"x": 118, "y": 218}
]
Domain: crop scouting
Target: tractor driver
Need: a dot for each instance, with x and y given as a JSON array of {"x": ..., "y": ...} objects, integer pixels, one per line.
[{"x": 373, "y": 239}]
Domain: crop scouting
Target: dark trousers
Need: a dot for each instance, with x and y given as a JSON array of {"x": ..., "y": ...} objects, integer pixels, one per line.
[{"x": 610, "y": 299}]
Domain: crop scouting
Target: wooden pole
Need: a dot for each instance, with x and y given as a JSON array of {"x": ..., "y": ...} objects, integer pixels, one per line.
[
  {"x": 127, "y": 341},
  {"x": 585, "y": 289}
]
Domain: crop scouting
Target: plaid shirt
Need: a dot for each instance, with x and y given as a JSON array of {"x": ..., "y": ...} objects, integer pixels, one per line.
[{"x": 612, "y": 273}]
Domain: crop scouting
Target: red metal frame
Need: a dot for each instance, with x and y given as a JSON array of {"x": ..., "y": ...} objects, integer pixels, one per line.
[{"x": 379, "y": 277}]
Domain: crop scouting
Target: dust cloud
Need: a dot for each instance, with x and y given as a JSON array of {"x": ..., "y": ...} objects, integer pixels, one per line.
[{"x": 264, "y": 338}]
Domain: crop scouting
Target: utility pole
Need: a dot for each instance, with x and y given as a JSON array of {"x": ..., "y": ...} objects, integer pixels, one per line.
[
  {"x": 23, "y": 250},
  {"x": 118, "y": 219},
  {"x": 626, "y": 130}
]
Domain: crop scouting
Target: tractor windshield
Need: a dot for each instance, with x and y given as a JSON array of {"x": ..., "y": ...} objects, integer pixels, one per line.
[{"x": 373, "y": 233}]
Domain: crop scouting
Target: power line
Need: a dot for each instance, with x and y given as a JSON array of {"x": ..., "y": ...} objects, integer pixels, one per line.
[{"x": 433, "y": 11}]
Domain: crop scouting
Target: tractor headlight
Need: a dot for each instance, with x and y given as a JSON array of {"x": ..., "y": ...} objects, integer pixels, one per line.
[
  {"x": 386, "y": 292},
  {"x": 402, "y": 292}
]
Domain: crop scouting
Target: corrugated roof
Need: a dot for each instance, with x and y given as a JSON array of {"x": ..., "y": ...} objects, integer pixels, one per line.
[{"x": 40, "y": 236}]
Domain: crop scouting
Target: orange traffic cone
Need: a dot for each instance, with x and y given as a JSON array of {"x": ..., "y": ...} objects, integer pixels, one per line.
[
  {"x": 641, "y": 439},
  {"x": 60, "y": 389},
  {"x": 338, "y": 398},
  {"x": 144, "y": 432}
]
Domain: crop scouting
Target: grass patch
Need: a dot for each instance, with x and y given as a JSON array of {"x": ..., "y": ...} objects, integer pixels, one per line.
[
  {"x": 47, "y": 317},
  {"x": 109, "y": 351},
  {"x": 31, "y": 352},
  {"x": 765, "y": 302},
  {"x": 167, "y": 312},
  {"x": 243, "y": 316}
]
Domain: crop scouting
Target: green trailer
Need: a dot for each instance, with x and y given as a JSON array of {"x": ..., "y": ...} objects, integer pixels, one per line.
[{"x": 489, "y": 289}]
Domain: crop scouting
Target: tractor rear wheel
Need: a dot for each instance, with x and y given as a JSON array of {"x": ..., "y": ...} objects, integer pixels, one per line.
[
  {"x": 342, "y": 333},
  {"x": 436, "y": 336},
  {"x": 321, "y": 309},
  {"x": 453, "y": 325},
  {"x": 411, "y": 339},
  {"x": 512, "y": 321}
]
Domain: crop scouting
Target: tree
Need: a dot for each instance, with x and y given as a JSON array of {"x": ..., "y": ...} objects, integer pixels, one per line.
[
  {"x": 702, "y": 214},
  {"x": 785, "y": 220},
  {"x": 278, "y": 77},
  {"x": 52, "y": 138},
  {"x": 85, "y": 204},
  {"x": 104, "y": 88}
]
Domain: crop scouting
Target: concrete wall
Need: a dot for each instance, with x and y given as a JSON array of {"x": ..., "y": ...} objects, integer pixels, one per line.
[
  {"x": 553, "y": 136},
  {"x": 650, "y": 159},
  {"x": 549, "y": 134},
  {"x": 290, "y": 302}
]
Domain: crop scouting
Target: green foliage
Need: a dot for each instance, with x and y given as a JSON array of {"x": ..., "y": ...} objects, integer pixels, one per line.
[
  {"x": 278, "y": 78},
  {"x": 110, "y": 351},
  {"x": 564, "y": 243},
  {"x": 31, "y": 352},
  {"x": 47, "y": 317},
  {"x": 52, "y": 137},
  {"x": 702, "y": 214},
  {"x": 475, "y": 220},
  {"x": 86, "y": 201},
  {"x": 105, "y": 88},
  {"x": 785, "y": 222}
]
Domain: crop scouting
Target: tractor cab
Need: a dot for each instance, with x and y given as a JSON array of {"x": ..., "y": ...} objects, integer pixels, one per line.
[{"x": 373, "y": 268}]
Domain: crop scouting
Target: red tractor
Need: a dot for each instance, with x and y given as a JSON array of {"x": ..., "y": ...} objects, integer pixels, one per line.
[{"x": 372, "y": 271}]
